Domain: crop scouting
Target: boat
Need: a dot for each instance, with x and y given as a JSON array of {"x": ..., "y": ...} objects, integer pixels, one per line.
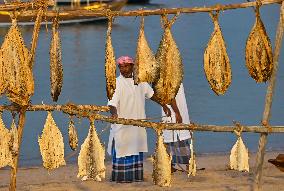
[
  {"x": 138, "y": 1},
  {"x": 66, "y": 13}
]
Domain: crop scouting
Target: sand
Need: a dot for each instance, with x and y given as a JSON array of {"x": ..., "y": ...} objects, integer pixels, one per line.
[{"x": 215, "y": 177}]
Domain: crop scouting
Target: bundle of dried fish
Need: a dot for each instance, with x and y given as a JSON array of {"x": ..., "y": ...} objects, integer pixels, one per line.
[
  {"x": 5, "y": 153},
  {"x": 239, "y": 159},
  {"x": 259, "y": 52},
  {"x": 171, "y": 67},
  {"x": 56, "y": 69},
  {"x": 192, "y": 160},
  {"x": 91, "y": 157},
  {"x": 17, "y": 72},
  {"x": 110, "y": 66},
  {"x": 51, "y": 145},
  {"x": 73, "y": 138},
  {"x": 145, "y": 67},
  {"x": 162, "y": 163},
  {"x": 216, "y": 61}
]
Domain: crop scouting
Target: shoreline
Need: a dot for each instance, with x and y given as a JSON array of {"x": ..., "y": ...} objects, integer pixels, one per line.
[{"x": 216, "y": 176}]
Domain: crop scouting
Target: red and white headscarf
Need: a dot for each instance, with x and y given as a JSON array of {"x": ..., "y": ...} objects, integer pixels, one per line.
[{"x": 124, "y": 59}]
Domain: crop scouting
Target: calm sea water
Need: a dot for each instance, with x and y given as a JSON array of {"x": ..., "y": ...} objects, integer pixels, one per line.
[{"x": 84, "y": 82}]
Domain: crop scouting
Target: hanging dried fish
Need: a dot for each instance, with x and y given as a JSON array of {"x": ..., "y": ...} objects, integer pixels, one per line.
[
  {"x": 5, "y": 152},
  {"x": 91, "y": 157},
  {"x": 17, "y": 72},
  {"x": 73, "y": 138},
  {"x": 171, "y": 67},
  {"x": 14, "y": 143},
  {"x": 239, "y": 159},
  {"x": 145, "y": 67},
  {"x": 216, "y": 61},
  {"x": 259, "y": 52},
  {"x": 110, "y": 66},
  {"x": 3, "y": 84},
  {"x": 162, "y": 163},
  {"x": 192, "y": 160},
  {"x": 51, "y": 144},
  {"x": 56, "y": 68}
]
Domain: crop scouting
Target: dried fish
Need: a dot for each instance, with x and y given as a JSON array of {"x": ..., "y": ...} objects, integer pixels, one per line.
[
  {"x": 14, "y": 141},
  {"x": 171, "y": 67},
  {"x": 51, "y": 145},
  {"x": 17, "y": 72},
  {"x": 239, "y": 159},
  {"x": 192, "y": 160},
  {"x": 73, "y": 138},
  {"x": 162, "y": 163},
  {"x": 216, "y": 61},
  {"x": 56, "y": 68},
  {"x": 110, "y": 66},
  {"x": 91, "y": 157},
  {"x": 146, "y": 68},
  {"x": 3, "y": 84},
  {"x": 6, "y": 158},
  {"x": 259, "y": 58}
]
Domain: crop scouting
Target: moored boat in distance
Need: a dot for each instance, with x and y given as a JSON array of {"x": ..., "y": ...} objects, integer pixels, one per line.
[
  {"x": 65, "y": 13},
  {"x": 138, "y": 1}
]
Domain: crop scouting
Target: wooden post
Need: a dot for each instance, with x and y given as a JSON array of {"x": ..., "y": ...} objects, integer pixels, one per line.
[
  {"x": 21, "y": 124},
  {"x": 268, "y": 102}
]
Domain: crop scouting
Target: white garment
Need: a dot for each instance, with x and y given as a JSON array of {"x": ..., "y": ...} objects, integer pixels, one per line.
[
  {"x": 129, "y": 100},
  {"x": 171, "y": 135}
]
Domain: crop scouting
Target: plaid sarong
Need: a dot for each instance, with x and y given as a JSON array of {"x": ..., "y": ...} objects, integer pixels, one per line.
[
  {"x": 127, "y": 169},
  {"x": 180, "y": 151}
]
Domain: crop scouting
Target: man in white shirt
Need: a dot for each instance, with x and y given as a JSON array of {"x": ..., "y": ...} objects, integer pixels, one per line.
[
  {"x": 127, "y": 142},
  {"x": 177, "y": 141}
]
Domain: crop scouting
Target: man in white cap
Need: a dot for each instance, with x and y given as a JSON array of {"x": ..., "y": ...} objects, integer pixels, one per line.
[{"x": 127, "y": 142}]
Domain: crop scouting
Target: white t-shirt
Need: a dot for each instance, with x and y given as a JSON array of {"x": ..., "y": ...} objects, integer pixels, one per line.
[
  {"x": 129, "y": 100},
  {"x": 171, "y": 135}
]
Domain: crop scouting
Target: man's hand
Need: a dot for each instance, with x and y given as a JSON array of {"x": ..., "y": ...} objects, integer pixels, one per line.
[
  {"x": 166, "y": 110},
  {"x": 113, "y": 111}
]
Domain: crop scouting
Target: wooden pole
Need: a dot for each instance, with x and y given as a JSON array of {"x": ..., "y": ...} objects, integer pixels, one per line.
[
  {"x": 217, "y": 7},
  {"x": 268, "y": 102},
  {"x": 92, "y": 111},
  {"x": 21, "y": 124}
]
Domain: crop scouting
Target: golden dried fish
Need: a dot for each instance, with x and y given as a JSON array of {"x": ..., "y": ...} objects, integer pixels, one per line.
[
  {"x": 216, "y": 61},
  {"x": 51, "y": 144},
  {"x": 162, "y": 164},
  {"x": 110, "y": 66},
  {"x": 5, "y": 152},
  {"x": 91, "y": 157},
  {"x": 17, "y": 72},
  {"x": 56, "y": 68},
  {"x": 14, "y": 143},
  {"x": 259, "y": 52},
  {"x": 145, "y": 67},
  {"x": 73, "y": 138},
  {"x": 239, "y": 159},
  {"x": 171, "y": 67},
  {"x": 192, "y": 160},
  {"x": 3, "y": 84}
]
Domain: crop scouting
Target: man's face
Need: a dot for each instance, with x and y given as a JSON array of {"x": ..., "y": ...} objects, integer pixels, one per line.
[{"x": 126, "y": 69}]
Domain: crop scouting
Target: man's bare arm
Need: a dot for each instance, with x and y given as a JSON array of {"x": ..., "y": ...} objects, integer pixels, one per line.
[
  {"x": 165, "y": 107},
  {"x": 176, "y": 110}
]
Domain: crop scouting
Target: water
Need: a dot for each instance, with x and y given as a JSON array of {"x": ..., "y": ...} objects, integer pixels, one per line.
[{"x": 84, "y": 83}]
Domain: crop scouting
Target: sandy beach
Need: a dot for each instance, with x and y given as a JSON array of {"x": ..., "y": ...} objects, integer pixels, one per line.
[{"x": 216, "y": 176}]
